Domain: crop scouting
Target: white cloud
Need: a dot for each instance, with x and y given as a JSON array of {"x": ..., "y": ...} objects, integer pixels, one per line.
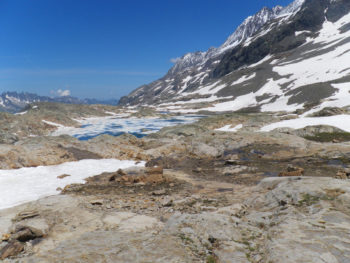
[
  {"x": 60, "y": 92},
  {"x": 63, "y": 93},
  {"x": 174, "y": 60}
]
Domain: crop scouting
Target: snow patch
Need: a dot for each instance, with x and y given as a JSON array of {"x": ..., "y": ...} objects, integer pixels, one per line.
[
  {"x": 228, "y": 128},
  {"x": 23, "y": 185},
  {"x": 339, "y": 121}
]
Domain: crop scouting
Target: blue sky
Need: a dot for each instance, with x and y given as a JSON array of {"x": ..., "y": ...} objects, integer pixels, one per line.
[{"x": 106, "y": 48}]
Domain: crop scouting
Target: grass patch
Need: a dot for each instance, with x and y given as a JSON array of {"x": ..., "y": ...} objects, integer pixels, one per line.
[
  {"x": 211, "y": 259},
  {"x": 329, "y": 137},
  {"x": 311, "y": 199},
  {"x": 185, "y": 239}
]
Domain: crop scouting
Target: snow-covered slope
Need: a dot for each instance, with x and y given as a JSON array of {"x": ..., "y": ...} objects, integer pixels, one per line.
[{"x": 299, "y": 57}]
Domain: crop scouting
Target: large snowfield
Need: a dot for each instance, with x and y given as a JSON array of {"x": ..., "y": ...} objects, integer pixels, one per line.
[{"x": 23, "y": 185}]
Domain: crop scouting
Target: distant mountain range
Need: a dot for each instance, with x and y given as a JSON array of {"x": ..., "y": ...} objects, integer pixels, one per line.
[
  {"x": 14, "y": 101},
  {"x": 284, "y": 58}
]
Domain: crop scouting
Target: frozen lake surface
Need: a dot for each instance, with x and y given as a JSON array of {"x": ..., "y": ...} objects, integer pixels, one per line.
[{"x": 116, "y": 125}]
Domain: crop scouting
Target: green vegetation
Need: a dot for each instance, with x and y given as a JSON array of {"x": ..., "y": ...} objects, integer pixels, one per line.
[
  {"x": 211, "y": 259},
  {"x": 311, "y": 199},
  {"x": 185, "y": 238},
  {"x": 329, "y": 137}
]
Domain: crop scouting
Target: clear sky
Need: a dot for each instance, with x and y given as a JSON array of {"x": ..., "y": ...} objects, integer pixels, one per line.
[{"x": 106, "y": 48}]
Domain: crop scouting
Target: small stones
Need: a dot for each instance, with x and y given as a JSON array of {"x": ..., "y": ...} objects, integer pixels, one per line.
[
  {"x": 5, "y": 237},
  {"x": 154, "y": 170},
  {"x": 292, "y": 171},
  {"x": 19, "y": 236},
  {"x": 197, "y": 170},
  {"x": 159, "y": 192},
  {"x": 292, "y": 168},
  {"x": 151, "y": 175},
  {"x": 97, "y": 202},
  {"x": 121, "y": 172},
  {"x": 167, "y": 202},
  {"x": 341, "y": 175},
  {"x": 282, "y": 203},
  {"x": 212, "y": 239},
  {"x": 231, "y": 162}
]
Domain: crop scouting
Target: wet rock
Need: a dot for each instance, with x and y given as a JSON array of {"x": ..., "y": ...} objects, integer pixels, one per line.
[{"x": 11, "y": 249}]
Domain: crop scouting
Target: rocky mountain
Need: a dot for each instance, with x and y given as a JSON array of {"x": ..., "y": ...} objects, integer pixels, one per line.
[
  {"x": 14, "y": 101},
  {"x": 279, "y": 59},
  {"x": 250, "y": 26}
]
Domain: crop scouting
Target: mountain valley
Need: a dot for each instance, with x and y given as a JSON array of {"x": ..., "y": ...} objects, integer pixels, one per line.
[{"x": 238, "y": 154}]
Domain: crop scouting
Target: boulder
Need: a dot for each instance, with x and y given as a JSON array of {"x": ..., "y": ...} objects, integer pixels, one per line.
[
  {"x": 11, "y": 249},
  {"x": 37, "y": 226}
]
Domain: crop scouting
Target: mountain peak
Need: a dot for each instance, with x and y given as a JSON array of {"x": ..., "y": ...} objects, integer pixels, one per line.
[{"x": 249, "y": 26}]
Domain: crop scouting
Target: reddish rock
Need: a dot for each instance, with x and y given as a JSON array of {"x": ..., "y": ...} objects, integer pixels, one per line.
[{"x": 11, "y": 249}]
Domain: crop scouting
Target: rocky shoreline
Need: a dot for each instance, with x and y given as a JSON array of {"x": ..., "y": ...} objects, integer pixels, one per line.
[{"x": 204, "y": 195}]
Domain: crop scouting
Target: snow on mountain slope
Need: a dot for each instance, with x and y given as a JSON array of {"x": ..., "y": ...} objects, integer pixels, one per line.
[
  {"x": 201, "y": 62},
  {"x": 299, "y": 57}
]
